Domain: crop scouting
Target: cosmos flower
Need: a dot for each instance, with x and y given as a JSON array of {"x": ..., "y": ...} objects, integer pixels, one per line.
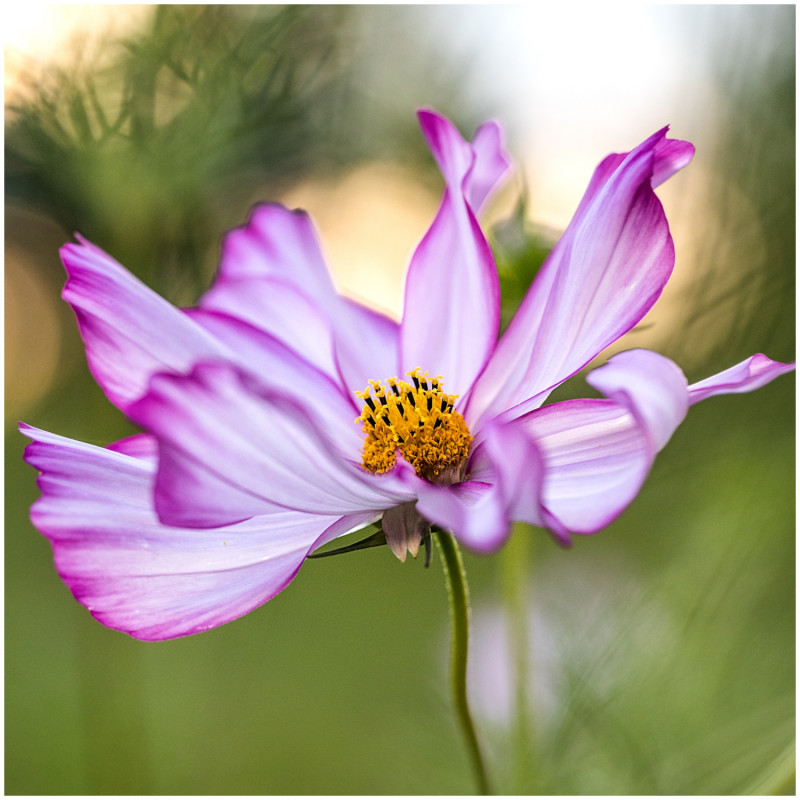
[{"x": 250, "y": 458}]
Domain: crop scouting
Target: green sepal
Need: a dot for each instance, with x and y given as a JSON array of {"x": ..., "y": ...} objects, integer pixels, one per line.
[{"x": 375, "y": 539}]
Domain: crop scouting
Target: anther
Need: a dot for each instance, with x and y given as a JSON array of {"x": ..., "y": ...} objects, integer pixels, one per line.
[{"x": 421, "y": 423}]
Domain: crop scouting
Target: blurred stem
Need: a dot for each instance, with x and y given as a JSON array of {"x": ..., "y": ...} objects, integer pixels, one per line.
[
  {"x": 515, "y": 558},
  {"x": 456, "y": 580}
]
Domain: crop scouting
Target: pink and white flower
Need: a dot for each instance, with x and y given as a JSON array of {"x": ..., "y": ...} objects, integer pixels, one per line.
[{"x": 251, "y": 460}]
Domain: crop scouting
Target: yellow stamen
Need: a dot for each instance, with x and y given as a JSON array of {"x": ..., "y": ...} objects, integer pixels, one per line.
[{"x": 417, "y": 419}]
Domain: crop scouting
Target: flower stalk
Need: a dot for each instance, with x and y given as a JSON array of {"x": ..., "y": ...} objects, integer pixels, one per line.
[{"x": 458, "y": 591}]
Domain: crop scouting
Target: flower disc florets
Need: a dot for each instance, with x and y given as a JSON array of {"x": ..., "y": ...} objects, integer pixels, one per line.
[{"x": 418, "y": 420}]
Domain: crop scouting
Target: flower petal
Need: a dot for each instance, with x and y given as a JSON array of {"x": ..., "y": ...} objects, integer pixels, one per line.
[
  {"x": 490, "y": 166},
  {"x": 141, "y": 445},
  {"x": 452, "y": 299},
  {"x": 129, "y": 331},
  {"x": 597, "y": 453},
  {"x": 473, "y": 511},
  {"x": 506, "y": 473},
  {"x": 651, "y": 386},
  {"x": 144, "y": 578},
  {"x": 753, "y": 373},
  {"x": 602, "y": 277},
  {"x": 267, "y": 357},
  {"x": 366, "y": 345},
  {"x": 281, "y": 309},
  {"x": 272, "y": 275},
  {"x": 231, "y": 448},
  {"x": 275, "y": 243},
  {"x": 508, "y": 456}
]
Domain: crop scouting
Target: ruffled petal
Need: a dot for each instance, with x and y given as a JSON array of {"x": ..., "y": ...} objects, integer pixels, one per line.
[
  {"x": 473, "y": 511},
  {"x": 141, "y": 445},
  {"x": 507, "y": 456},
  {"x": 275, "y": 243},
  {"x": 279, "y": 308},
  {"x": 650, "y": 386},
  {"x": 490, "y": 167},
  {"x": 272, "y": 275},
  {"x": 602, "y": 277},
  {"x": 142, "y": 577},
  {"x": 597, "y": 453},
  {"x": 129, "y": 331},
  {"x": 268, "y": 358},
  {"x": 505, "y": 484},
  {"x": 753, "y": 373},
  {"x": 452, "y": 300},
  {"x": 231, "y": 448},
  {"x": 475, "y": 168}
]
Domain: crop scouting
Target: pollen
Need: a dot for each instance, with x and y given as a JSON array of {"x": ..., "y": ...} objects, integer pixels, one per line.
[{"x": 420, "y": 421}]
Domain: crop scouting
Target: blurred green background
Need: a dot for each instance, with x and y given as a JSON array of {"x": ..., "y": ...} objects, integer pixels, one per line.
[{"x": 657, "y": 657}]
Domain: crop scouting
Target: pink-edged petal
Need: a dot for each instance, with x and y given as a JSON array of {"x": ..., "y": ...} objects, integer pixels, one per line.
[
  {"x": 505, "y": 484},
  {"x": 272, "y": 275},
  {"x": 344, "y": 525},
  {"x": 651, "y": 386},
  {"x": 129, "y": 331},
  {"x": 670, "y": 156},
  {"x": 282, "y": 309},
  {"x": 597, "y": 453},
  {"x": 602, "y": 277},
  {"x": 230, "y": 448},
  {"x": 366, "y": 345},
  {"x": 491, "y": 165},
  {"x": 142, "y": 577},
  {"x": 750, "y": 374},
  {"x": 275, "y": 242},
  {"x": 475, "y": 168},
  {"x": 473, "y": 511},
  {"x": 269, "y": 359},
  {"x": 507, "y": 456},
  {"x": 452, "y": 299},
  {"x": 141, "y": 445}
]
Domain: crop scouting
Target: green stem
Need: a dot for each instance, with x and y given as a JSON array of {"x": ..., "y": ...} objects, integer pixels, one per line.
[{"x": 456, "y": 579}]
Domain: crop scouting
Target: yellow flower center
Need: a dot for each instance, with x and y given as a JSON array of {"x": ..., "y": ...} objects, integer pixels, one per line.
[{"x": 418, "y": 420}]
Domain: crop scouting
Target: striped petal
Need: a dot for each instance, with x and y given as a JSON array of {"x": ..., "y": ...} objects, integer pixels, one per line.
[
  {"x": 750, "y": 374},
  {"x": 452, "y": 299},
  {"x": 136, "y": 574},
  {"x": 602, "y": 277},
  {"x": 597, "y": 453},
  {"x": 272, "y": 276},
  {"x": 231, "y": 448},
  {"x": 129, "y": 331}
]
